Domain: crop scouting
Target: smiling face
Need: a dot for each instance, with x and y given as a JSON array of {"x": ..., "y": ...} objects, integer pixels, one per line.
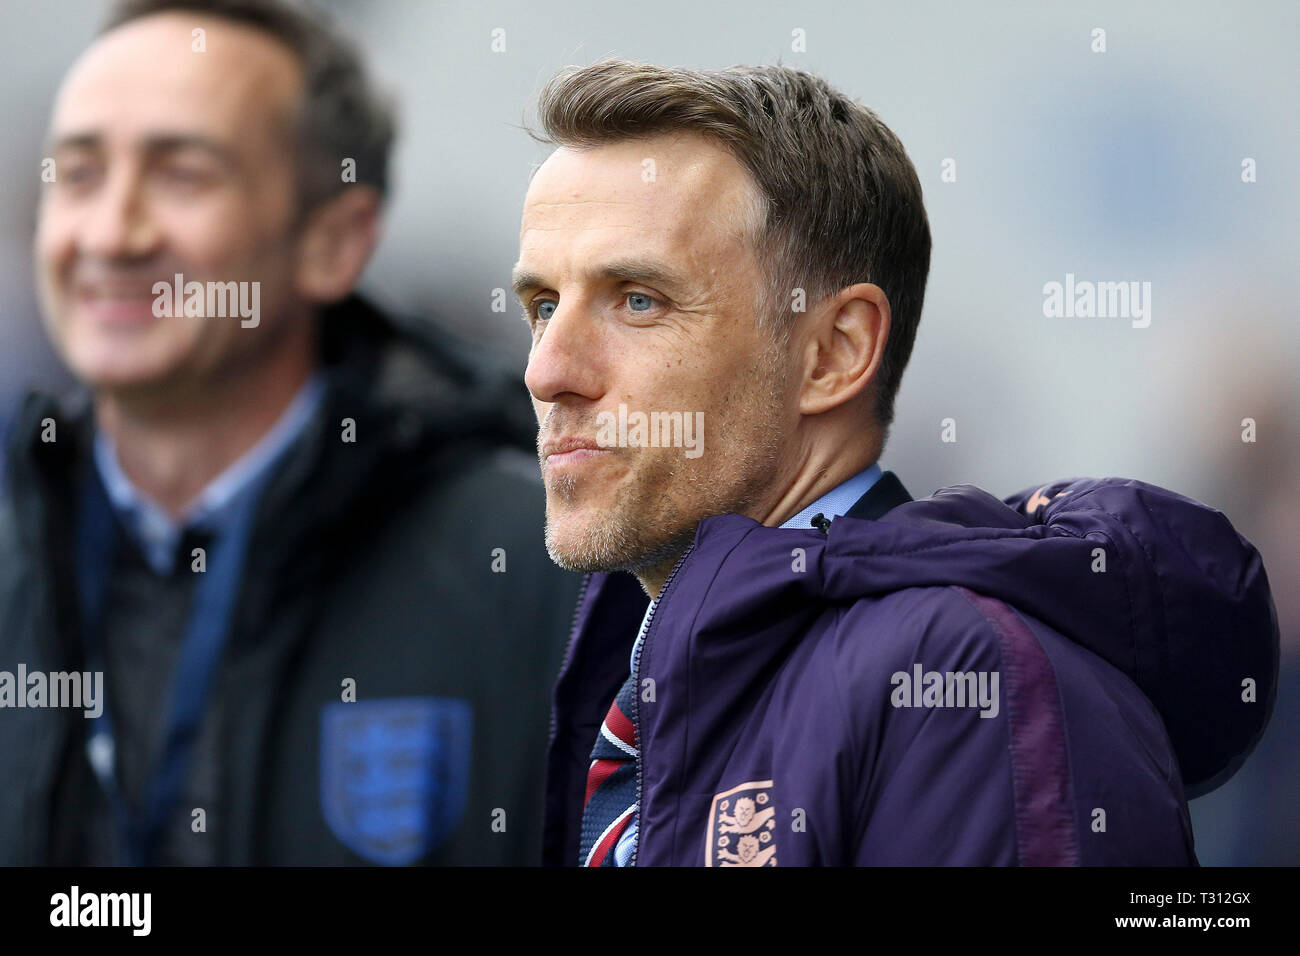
[
  {"x": 641, "y": 291},
  {"x": 168, "y": 160}
]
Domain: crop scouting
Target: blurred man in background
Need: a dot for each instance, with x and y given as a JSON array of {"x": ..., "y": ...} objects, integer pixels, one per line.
[{"x": 289, "y": 532}]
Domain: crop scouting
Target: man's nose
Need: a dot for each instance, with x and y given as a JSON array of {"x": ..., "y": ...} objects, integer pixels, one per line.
[
  {"x": 118, "y": 224},
  {"x": 565, "y": 358}
]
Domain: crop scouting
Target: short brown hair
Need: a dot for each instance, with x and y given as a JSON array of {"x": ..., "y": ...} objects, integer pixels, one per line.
[
  {"x": 341, "y": 115},
  {"x": 843, "y": 201}
]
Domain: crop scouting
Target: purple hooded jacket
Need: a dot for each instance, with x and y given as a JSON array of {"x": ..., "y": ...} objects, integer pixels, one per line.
[{"x": 951, "y": 681}]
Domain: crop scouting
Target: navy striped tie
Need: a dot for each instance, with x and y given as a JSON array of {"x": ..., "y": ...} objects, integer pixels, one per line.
[{"x": 610, "y": 802}]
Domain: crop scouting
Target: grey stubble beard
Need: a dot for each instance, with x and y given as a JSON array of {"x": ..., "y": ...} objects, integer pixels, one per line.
[{"x": 623, "y": 542}]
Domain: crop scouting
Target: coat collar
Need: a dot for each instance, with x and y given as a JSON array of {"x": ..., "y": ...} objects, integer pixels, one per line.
[{"x": 885, "y": 494}]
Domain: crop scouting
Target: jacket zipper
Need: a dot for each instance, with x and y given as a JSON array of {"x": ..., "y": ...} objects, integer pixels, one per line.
[
  {"x": 636, "y": 694},
  {"x": 568, "y": 647}
]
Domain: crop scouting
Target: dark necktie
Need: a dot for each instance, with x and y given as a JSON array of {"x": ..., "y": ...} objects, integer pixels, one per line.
[{"x": 611, "y": 782}]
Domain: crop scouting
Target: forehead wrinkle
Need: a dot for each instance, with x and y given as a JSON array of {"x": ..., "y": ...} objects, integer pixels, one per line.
[{"x": 578, "y": 202}]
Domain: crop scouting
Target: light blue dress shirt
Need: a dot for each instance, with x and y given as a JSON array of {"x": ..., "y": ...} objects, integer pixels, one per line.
[
  {"x": 836, "y": 502},
  {"x": 157, "y": 533}
]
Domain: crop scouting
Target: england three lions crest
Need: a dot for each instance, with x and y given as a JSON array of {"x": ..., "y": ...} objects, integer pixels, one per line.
[{"x": 742, "y": 827}]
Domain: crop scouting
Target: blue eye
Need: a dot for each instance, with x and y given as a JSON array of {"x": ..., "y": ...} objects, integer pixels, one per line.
[
  {"x": 545, "y": 309},
  {"x": 639, "y": 302}
]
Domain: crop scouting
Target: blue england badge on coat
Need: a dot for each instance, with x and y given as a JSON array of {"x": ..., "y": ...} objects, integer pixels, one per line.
[
  {"x": 742, "y": 827},
  {"x": 395, "y": 774}
]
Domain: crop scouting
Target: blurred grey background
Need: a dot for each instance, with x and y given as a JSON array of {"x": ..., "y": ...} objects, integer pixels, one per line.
[{"x": 1120, "y": 165}]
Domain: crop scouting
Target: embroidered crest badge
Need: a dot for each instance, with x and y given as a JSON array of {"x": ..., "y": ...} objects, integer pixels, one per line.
[
  {"x": 742, "y": 827},
  {"x": 395, "y": 774}
]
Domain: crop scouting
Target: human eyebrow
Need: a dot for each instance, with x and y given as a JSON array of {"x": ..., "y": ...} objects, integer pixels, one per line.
[
  {"x": 524, "y": 282},
  {"x": 157, "y": 143},
  {"x": 642, "y": 271},
  {"x": 176, "y": 142},
  {"x": 74, "y": 141},
  {"x": 645, "y": 272}
]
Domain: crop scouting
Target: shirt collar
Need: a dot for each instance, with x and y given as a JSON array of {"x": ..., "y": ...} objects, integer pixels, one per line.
[
  {"x": 839, "y": 500},
  {"x": 836, "y": 502},
  {"x": 154, "y": 530}
]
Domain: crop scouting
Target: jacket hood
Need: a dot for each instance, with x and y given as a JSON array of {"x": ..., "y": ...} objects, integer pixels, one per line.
[{"x": 1160, "y": 586}]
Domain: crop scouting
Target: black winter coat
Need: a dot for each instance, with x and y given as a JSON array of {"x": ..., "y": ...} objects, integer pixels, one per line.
[{"x": 410, "y": 561}]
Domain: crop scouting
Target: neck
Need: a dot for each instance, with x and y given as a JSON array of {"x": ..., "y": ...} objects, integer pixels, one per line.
[
  {"x": 819, "y": 471},
  {"x": 172, "y": 446},
  {"x": 652, "y": 578}
]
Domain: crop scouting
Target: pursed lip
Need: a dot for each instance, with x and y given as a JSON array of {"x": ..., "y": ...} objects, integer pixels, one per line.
[
  {"x": 563, "y": 446},
  {"x": 572, "y": 451}
]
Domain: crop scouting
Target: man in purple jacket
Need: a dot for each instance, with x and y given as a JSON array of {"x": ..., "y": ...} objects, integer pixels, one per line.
[{"x": 780, "y": 657}]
